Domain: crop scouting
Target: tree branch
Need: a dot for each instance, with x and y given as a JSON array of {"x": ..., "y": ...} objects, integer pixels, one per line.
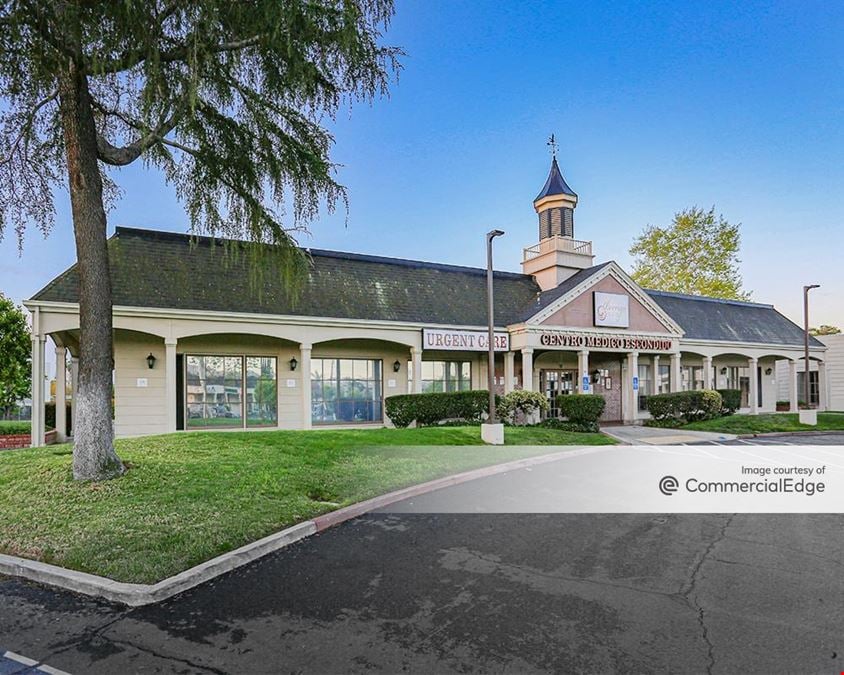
[
  {"x": 121, "y": 156},
  {"x": 129, "y": 60},
  {"x": 27, "y": 126}
]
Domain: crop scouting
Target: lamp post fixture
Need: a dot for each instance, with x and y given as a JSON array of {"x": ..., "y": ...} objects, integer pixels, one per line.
[
  {"x": 490, "y": 325},
  {"x": 806, "y": 290}
]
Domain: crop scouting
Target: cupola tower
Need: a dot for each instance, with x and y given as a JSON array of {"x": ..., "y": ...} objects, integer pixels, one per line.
[{"x": 558, "y": 255}]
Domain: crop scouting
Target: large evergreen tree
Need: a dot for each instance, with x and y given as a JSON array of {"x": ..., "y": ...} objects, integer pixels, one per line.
[
  {"x": 697, "y": 254},
  {"x": 225, "y": 97}
]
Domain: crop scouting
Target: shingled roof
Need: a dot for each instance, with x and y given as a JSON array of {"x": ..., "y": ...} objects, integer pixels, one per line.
[
  {"x": 729, "y": 320},
  {"x": 177, "y": 271}
]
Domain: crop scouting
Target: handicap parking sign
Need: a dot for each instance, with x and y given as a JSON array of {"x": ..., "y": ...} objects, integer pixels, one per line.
[
  {"x": 585, "y": 383},
  {"x": 635, "y": 383}
]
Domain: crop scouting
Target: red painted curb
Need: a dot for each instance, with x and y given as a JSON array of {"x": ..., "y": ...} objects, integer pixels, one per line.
[{"x": 327, "y": 520}]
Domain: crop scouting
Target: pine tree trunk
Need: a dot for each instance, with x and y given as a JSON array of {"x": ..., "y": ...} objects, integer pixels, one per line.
[{"x": 94, "y": 457}]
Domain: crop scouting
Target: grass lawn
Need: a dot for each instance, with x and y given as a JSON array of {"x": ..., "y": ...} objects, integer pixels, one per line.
[
  {"x": 768, "y": 423},
  {"x": 189, "y": 497}
]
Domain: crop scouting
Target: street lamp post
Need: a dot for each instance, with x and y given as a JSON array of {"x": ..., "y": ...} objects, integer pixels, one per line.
[
  {"x": 490, "y": 326},
  {"x": 806, "y": 290}
]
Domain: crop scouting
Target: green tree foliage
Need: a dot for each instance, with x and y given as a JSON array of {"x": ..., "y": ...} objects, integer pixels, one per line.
[
  {"x": 824, "y": 329},
  {"x": 697, "y": 254},
  {"x": 16, "y": 351},
  {"x": 228, "y": 99}
]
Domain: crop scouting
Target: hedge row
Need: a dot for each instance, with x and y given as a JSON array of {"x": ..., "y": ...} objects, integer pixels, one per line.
[
  {"x": 730, "y": 400},
  {"x": 432, "y": 408},
  {"x": 583, "y": 409},
  {"x": 685, "y": 406}
]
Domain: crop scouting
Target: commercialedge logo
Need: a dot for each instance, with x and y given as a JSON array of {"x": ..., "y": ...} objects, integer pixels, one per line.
[{"x": 668, "y": 485}]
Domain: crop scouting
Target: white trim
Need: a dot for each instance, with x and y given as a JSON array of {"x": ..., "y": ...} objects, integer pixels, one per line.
[
  {"x": 244, "y": 317},
  {"x": 610, "y": 269}
]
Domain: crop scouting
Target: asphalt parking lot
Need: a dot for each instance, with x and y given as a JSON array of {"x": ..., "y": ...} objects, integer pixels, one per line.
[{"x": 482, "y": 592}]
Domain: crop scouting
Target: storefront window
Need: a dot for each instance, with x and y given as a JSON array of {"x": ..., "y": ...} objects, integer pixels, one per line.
[
  {"x": 214, "y": 387},
  {"x": 261, "y": 396},
  {"x": 644, "y": 385},
  {"x": 664, "y": 381},
  {"x": 692, "y": 377},
  {"x": 345, "y": 390},
  {"x": 439, "y": 376}
]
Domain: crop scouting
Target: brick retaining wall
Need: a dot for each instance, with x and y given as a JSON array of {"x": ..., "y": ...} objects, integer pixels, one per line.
[{"x": 22, "y": 440}]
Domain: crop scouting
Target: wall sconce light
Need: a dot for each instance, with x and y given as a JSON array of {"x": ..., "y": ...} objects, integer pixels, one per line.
[
  {"x": 723, "y": 371},
  {"x": 151, "y": 361},
  {"x": 293, "y": 363},
  {"x": 768, "y": 371},
  {"x": 396, "y": 366}
]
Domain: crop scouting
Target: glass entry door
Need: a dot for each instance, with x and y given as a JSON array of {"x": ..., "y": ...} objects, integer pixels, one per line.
[{"x": 556, "y": 382}]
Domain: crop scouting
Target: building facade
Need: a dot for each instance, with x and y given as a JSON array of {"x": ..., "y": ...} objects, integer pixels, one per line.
[{"x": 206, "y": 339}]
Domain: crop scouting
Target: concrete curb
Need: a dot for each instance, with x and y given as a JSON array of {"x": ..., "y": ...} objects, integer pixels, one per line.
[
  {"x": 808, "y": 432},
  {"x": 136, "y": 595}
]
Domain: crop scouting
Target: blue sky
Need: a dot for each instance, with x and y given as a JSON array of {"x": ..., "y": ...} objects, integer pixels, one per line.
[{"x": 656, "y": 106}]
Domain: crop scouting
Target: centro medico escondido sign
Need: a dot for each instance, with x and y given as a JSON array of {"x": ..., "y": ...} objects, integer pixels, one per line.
[
  {"x": 462, "y": 340},
  {"x": 626, "y": 342}
]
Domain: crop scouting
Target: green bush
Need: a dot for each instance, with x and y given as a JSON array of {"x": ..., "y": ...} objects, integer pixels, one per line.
[
  {"x": 436, "y": 407},
  {"x": 685, "y": 406},
  {"x": 731, "y": 400},
  {"x": 518, "y": 406},
  {"x": 581, "y": 408},
  {"x": 565, "y": 425},
  {"x": 14, "y": 427}
]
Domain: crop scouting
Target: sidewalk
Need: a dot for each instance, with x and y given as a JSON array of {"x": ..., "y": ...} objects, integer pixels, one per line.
[{"x": 641, "y": 435}]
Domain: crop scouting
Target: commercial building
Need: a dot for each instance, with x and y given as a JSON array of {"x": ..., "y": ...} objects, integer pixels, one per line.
[{"x": 203, "y": 341}]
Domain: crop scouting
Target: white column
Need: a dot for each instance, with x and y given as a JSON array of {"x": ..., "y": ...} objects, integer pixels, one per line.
[
  {"x": 527, "y": 369},
  {"x": 655, "y": 380},
  {"x": 416, "y": 357},
  {"x": 792, "y": 385},
  {"x": 170, "y": 382},
  {"x": 74, "y": 382},
  {"x": 822, "y": 392},
  {"x": 676, "y": 375},
  {"x": 305, "y": 365},
  {"x": 632, "y": 394},
  {"x": 583, "y": 371},
  {"x": 509, "y": 371},
  {"x": 753, "y": 394},
  {"x": 37, "y": 419},
  {"x": 61, "y": 394},
  {"x": 707, "y": 372}
]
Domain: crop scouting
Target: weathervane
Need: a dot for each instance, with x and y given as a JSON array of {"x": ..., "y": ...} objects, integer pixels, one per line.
[{"x": 552, "y": 143}]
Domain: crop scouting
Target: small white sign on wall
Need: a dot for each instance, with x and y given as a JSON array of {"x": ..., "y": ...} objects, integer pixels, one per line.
[
  {"x": 291, "y": 384},
  {"x": 391, "y": 384},
  {"x": 142, "y": 382},
  {"x": 612, "y": 309}
]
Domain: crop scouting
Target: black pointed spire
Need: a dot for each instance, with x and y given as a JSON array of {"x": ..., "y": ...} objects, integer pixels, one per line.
[{"x": 556, "y": 184}]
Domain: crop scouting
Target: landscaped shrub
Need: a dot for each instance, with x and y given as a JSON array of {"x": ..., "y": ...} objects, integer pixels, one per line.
[
  {"x": 731, "y": 400},
  {"x": 404, "y": 409},
  {"x": 566, "y": 425},
  {"x": 13, "y": 427},
  {"x": 685, "y": 406},
  {"x": 581, "y": 408},
  {"x": 518, "y": 406}
]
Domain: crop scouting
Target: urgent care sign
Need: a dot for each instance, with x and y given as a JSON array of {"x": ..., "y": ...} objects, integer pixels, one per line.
[{"x": 463, "y": 340}]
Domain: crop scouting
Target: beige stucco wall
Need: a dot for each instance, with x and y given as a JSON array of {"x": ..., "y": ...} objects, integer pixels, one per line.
[{"x": 138, "y": 410}]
